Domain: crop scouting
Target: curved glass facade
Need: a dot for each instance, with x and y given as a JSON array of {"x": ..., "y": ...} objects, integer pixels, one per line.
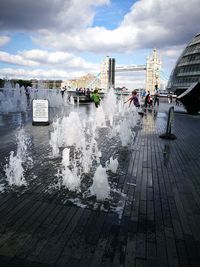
[{"x": 187, "y": 68}]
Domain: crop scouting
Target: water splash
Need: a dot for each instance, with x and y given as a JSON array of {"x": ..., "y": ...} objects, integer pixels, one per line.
[
  {"x": 65, "y": 159},
  {"x": 112, "y": 165},
  {"x": 15, "y": 99},
  {"x": 71, "y": 100},
  {"x": 132, "y": 116},
  {"x": 100, "y": 117},
  {"x": 14, "y": 170},
  {"x": 110, "y": 105},
  {"x": 100, "y": 186},
  {"x": 125, "y": 133},
  {"x": 80, "y": 137},
  {"x": 54, "y": 139},
  {"x": 70, "y": 179},
  {"x": 12, "y": 100}
]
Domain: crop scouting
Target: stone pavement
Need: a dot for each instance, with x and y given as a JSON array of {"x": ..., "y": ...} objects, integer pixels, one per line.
[{"x": 160, "y": 224}]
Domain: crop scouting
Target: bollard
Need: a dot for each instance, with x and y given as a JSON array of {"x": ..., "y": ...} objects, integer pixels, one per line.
[{"x": 168, "y": 134}]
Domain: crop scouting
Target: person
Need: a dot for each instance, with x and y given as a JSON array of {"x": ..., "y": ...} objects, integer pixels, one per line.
[
  {"x": 96, "y": 98},
  {"x": 156, "y": 99},
  {"x": 135, "y": 100},
  {"x": 88, "y": 93},
  {"x": 177, "y": 101},
  {"x": 170, "y": 98},
  {"x": 27, "y": 92},
  {"x": 147, "y": 100},
  {"x": 62, "y": 91}
]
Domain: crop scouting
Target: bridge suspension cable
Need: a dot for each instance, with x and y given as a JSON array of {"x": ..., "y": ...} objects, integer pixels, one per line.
[
  {"x": 163, "y": 75},
  {"x": 92, "y": 82}
]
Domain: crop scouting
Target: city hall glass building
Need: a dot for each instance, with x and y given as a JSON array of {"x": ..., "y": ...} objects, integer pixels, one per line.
[{"x": 187, "y": 68}]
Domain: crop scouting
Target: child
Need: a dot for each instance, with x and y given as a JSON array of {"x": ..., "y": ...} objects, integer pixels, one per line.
[
  {"x": 96, "y": 98},
  {"x": 135, "y": 100}
]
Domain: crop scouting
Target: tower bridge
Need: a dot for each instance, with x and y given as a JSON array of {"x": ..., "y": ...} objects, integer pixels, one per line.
[
  {"x": 152, "y": 68},
  {"x": 108, "y": 68}
]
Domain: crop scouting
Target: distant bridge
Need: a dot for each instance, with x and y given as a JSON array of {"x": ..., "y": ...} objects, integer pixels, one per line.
[
  {"x": 151, "y": 68},
  {"x": 130, "y": 68}
]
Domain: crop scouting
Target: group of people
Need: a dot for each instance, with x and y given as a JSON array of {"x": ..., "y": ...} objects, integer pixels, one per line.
[
  {"x": 83, "y": 91},
  {"x": 95, "y": 97},
  {"x": 148, "y": 101}
]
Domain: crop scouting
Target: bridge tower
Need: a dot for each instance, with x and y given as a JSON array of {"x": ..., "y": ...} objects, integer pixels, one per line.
[
  {"x": 104, "y": 73},
  {"x": 153, "y": 67},
  {"x": 107, "y": 73}
]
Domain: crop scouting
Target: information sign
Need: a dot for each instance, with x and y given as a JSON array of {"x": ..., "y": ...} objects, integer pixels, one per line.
[{"x": 40, "y": 111}]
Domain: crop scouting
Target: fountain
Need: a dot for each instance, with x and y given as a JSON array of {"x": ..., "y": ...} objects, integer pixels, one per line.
[
  {"x": 112, "y": 165},
  {"x": 14, "y": 170},
  {"x": 78, "y": 139},
  {"x": 70, "y": 178},
  {"x": 100, "y": 186},
  {"x": 82, "y": 143},
  {"x": 15, "y": 99},
  {"x": 125, "y": 133},
  {"x": 110, "y": 105},
  {"x": 81, "y": 163},
  {"x": 12, "y": 100}
]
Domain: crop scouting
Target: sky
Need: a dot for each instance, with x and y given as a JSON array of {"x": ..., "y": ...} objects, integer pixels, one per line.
[{"x": 65, "y": 39}]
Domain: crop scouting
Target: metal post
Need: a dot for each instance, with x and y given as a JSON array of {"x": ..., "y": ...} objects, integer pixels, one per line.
[{"x": 170, "y": 120}]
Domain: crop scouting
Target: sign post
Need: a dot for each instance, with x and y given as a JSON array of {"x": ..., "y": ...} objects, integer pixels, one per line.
[
  {"x": 40, "y": 112},
  {"x": 170, "y": 121}
]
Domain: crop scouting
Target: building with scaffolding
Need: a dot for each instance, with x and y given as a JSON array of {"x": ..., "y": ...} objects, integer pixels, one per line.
[{"x": 86, "y": 81}]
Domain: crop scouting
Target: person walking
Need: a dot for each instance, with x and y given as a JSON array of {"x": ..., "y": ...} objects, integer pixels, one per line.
[
  {"x": 63, "y": 91},
  {"x": 147, "y": 100},
  {"x": 171, "y": 98},
  {"x": 177, "y": 101},
  {"x": 156, "y": 99}
]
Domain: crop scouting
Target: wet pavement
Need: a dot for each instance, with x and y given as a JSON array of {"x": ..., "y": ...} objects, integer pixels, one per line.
[{"x": 151, "y": 219}]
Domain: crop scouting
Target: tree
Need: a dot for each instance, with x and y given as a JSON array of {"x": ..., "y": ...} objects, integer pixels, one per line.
[{"x": 24, "y": 83}]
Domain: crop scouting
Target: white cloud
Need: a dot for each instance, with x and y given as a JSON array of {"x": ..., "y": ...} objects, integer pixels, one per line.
[
  {"x": 150, "y": 23},
  {"x": 130, "y": 80},
  {"x": 4, "y": 40},
  {"x": 172, "y": 51},
  {"x": 52, "y": 74},
  {"x": 169, "y": 57},
  {"x": 16, "y": 59},
  {"x": 67, "y": 24},
  {"x": 60, "y": 60},
  {"x": 55, "y": 15},
  {"x": 67, "y": 27}
]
